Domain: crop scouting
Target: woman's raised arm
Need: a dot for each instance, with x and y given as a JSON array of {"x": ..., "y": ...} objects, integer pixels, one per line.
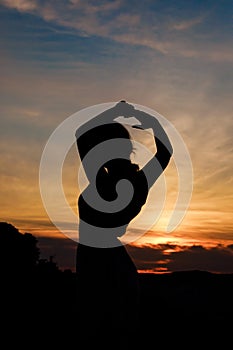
[{"x": 155, "y": 167}]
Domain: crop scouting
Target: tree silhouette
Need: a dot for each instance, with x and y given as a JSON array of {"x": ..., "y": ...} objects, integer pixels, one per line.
[{"x": 19, "y": 253}]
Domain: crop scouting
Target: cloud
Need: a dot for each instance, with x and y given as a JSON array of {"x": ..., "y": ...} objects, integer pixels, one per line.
[
  {"x": 113, "y": 20},
  {"x": 186, "y": 24},
  {"x": 21, "y": 5},
  {"x": 170, "y": 257},
  {"x": 150, "y": 258},
  {"x": 92, "y": 7}
]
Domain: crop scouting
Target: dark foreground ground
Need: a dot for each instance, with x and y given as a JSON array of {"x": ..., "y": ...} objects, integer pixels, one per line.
[{"x": 183, "y": 310}]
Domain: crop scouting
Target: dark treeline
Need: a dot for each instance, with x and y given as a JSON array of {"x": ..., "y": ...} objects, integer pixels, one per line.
[{"x": 41, "y": 298}]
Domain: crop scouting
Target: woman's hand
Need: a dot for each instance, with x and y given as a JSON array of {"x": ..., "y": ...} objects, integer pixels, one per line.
[
  {"x": 127, "y": 110},
  {"x": 124, "y": 109},
  {"x": 147, "y": 121}
]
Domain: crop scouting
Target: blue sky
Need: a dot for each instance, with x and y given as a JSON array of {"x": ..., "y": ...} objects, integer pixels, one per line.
[
  {"x": 175, "y": 57},
  {"x": 157, "y": 46}
]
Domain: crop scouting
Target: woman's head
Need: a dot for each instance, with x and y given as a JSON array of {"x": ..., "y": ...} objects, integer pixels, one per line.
[{"x": 99, "y": 134}]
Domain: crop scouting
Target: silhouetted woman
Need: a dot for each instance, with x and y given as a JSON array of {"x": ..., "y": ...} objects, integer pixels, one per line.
[{"x": 108, "y": 294}]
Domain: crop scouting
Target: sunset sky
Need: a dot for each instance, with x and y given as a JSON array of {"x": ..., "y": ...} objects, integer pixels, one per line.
[{"x": 174, "y": 57}]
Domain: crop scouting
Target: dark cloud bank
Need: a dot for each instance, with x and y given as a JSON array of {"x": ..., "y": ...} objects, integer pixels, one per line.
[{"x": 153, "y": 258}]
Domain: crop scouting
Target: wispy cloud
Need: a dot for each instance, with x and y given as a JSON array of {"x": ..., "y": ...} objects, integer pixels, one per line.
[
  {"x": 186, "y": 24},
  {"x": 21, "y": 5},
  {"x": 113, "y": 20}
]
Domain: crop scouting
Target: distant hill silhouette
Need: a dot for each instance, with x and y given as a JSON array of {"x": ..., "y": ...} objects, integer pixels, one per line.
[{"x": 40, "y": 298}]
